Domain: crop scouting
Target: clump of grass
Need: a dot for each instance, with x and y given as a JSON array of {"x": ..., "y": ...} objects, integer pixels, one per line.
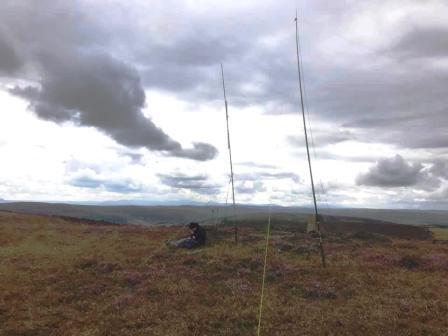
[
  {"x": 440, "y": 233},
  {"x": 318, "y": 292},
  {"x": 410, "y": 261},
  {"x": 370, "y": 237}
]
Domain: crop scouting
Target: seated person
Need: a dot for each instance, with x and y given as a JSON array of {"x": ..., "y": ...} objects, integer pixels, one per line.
[{"x": 196, "y": 238}]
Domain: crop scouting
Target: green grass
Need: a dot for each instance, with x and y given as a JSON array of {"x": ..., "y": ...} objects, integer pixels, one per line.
[
  {"x": 65, "y": 278},
  {"x": 440, "y": 233}
]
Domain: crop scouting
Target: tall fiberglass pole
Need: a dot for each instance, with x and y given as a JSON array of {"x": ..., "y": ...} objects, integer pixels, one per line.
[
  {"x": 230, "y": 154},
  {"x": 306, "y": 142}
]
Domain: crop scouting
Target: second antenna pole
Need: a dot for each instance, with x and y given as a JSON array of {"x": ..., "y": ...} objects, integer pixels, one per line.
[
  {"x": 235, "y": 227},
  {"x": 321, "y": 246}
]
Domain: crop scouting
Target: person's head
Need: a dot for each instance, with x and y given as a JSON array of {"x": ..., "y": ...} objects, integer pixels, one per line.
[{"x": 193, "y": 226}]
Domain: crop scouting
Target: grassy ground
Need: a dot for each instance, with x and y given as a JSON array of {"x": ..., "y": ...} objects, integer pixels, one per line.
[
  {"x": 440, "y": 233},
  {"x": 64, "y": 278}
]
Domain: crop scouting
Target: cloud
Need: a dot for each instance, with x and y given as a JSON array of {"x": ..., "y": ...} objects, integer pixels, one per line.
[
  {"x": 440, "y": 195},
  {"x": 260, "y": 176},
  {"x": 368, "y": 89},
  {"x": 122, "y": 186},
  {"x": 370, "y": 77},
  {"x": 386, "y": 99},
  {"x": 423, "y": 42},
  {"x": 440, "y": 169},
  {"x": 78, "y": 82},
  {"x": 256, "y": 165},
  {"x": 250, "y": 187},
  {"x": 196, "y": 183},
  {"x": 392, "y": 172},
  {"x": 134, "y": 157},
  {"x": 200, "y": 152},
  {"x": 322, "y": 137},
  {"x": 10, "y": 61}
]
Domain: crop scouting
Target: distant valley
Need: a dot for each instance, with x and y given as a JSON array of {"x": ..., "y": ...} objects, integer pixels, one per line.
[{"x": 181, "y": 214}]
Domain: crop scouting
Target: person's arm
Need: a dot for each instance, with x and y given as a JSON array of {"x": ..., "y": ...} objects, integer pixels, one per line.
[{"x": 200, "y": 235}]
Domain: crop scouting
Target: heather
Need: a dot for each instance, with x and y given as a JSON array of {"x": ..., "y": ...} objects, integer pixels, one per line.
[{"x": 60, "y": 277}]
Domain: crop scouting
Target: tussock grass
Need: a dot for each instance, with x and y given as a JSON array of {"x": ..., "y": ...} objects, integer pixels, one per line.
[
  {"x": 440, "y": 233},
  {"x": 59, "y": 277}
]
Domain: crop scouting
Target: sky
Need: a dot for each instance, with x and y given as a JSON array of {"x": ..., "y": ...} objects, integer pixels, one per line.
[{"x": 112, "y": 100}]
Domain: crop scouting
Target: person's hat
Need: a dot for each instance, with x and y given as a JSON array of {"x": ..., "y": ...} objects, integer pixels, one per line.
[{"x": 193, "y": 225}]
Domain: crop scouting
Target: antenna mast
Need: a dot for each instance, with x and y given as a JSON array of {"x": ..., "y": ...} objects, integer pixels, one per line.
[
  {"x": 230, "y": 154},
  {"x": 306, "y": 142}
]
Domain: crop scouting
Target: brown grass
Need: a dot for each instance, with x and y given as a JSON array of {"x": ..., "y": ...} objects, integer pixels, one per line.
[{"x": 58, "y": 277}]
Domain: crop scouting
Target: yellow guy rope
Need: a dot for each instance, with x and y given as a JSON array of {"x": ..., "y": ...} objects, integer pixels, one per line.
[{"x": 268, "y": 231}]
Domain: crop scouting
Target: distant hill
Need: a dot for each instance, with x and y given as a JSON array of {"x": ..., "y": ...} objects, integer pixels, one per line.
[
  {"x": 178, "y": 214},
  {"x": 148, "y": 215}
]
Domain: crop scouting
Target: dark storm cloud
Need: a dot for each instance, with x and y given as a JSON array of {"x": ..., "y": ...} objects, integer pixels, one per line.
[
  {"x": 105, "y": 93},
  {"x": 384, "y": 101},
  {"x": 200, "y": 151},
  {"x": 401, "y": 102},
  {"x": 248, "y": 40},
  {"x": 422, "y": 42},
  {"x": 196, "y": 183},
  {"x": 135, "y": 157},
  {"x": 386, "y": 105},
  {"x": 426, "y": 130},
  {"x": 80, "y": 83},
  {"x": 440, "y": 169},
  {"x": 378, "y": 97},
  {"x": 393, "y": 172},
  {"x": 111, "y": 186},
  {"x": 183, "y": 81},
  {"x": 10, "y": 61},
  {"x": 190, "y": 65}
]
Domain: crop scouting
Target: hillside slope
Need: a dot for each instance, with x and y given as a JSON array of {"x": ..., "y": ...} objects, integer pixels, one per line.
[{"x": 74, "y": 278}]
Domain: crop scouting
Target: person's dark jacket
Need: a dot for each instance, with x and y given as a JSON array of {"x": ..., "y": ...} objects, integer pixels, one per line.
[{"x": 199, "y": 235}]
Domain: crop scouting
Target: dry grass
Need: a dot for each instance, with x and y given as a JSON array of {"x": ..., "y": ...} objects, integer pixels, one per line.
[
  {"x": 64, "y": 278},
  {"x": 440, "y": 233}
]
